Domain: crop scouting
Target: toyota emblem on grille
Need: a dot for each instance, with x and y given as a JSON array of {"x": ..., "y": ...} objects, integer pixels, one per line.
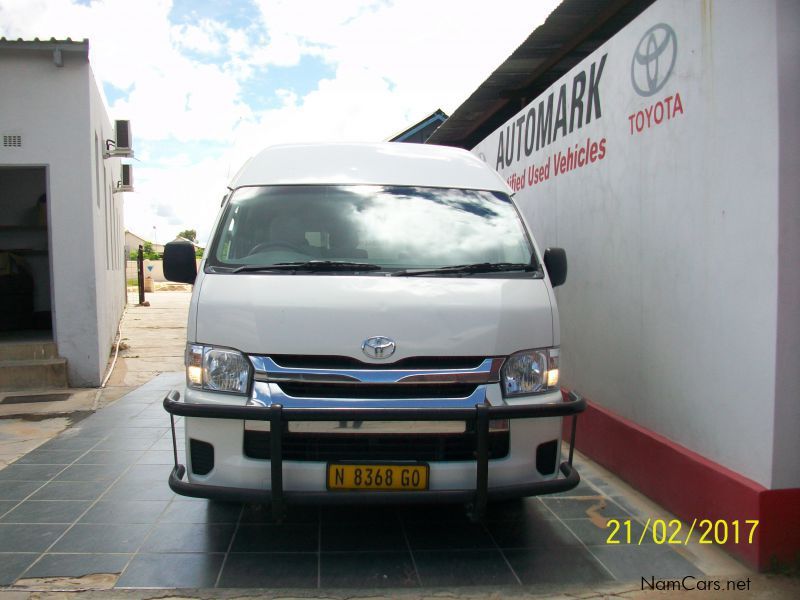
[{"x": 378, "y": 347}]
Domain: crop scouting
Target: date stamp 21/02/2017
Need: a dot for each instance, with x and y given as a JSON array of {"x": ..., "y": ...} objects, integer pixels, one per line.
[{"x": 662, "y": 531}]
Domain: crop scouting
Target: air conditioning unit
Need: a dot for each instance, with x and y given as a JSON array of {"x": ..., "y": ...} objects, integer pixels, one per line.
[
  {"x": 124, "y": 138},
  {"x": 126, "y": 183},
  {"x": 122, "y": 146}
]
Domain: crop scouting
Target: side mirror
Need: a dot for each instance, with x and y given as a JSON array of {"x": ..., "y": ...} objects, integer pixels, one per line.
[
  {"x": 179, "y": 262},
  {"x": 555, "y": 261}
]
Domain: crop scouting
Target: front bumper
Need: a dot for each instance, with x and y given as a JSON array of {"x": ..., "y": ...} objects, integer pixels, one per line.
[{"x": 277, "y": 415}]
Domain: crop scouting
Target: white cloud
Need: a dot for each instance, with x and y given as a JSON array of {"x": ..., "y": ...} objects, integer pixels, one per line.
[
  {"x": 281, "y": 51},
  {"x": 435, "y": 53},
  {"x": 208, "y": 37},
  {"x": 175, "y": 197},
  {"x": 393, "y": 63}
]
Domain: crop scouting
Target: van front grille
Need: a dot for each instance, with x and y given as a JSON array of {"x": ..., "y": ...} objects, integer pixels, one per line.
[
  {"x": 379, "y": 391},
  {"x": 375, "y": 447},
  {"x": 421, "y": 363}
]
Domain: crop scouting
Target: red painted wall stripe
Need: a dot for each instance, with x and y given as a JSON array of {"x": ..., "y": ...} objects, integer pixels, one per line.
[{"x": 691, "y": 486}]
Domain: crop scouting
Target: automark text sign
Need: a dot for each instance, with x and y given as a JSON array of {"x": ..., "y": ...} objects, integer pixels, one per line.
[{"x": 629, "y": 85}]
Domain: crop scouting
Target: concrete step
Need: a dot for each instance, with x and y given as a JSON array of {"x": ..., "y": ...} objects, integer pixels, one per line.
[
  {"x": 27, "y": 350},
  {"x": 16, "y": 375}
]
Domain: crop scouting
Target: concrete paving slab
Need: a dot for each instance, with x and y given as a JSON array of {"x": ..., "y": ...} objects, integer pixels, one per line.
[
  {"x": 77, "y": 400},
  {"x": 152, "y": 342},
  {"x": 20, "y": 436},
  {"x": 152, "y": 338}
]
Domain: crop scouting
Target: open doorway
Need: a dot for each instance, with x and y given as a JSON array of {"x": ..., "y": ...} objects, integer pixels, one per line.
[{"x": 25, "y": 299}]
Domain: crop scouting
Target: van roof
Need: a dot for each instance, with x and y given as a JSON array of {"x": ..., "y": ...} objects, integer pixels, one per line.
[{"x": 386, "y": 163}]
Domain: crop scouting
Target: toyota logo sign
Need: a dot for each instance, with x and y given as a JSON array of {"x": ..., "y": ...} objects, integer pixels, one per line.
[
  {"x": 654, "y": 59},
  {"x": 378, "y": 347}
]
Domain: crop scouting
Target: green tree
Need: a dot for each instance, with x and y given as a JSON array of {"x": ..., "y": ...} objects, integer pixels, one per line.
[
  {"x": 189, "y": 234},
  {"x": 147, "y": 252}
]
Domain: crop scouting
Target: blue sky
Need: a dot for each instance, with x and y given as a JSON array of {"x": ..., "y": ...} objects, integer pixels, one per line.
[
  {"x": 260, "y": 90},
  {"x": 234, "y": 13},
  {"x": 206, "y": 83}
]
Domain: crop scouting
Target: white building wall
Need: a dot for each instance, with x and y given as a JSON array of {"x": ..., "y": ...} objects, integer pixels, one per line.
[
  {"x": 50, "y": 107},
  {"x": 109, "y": 235},
  {"x": 670, "y": 310},
  {"x": 786, "y": 470}
]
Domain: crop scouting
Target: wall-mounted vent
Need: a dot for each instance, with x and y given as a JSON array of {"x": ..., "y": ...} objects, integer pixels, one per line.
[{"x": 12, "y": 141}]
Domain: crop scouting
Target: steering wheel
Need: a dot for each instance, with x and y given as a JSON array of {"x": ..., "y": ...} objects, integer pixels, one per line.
[{"x": 277, "y": 244}]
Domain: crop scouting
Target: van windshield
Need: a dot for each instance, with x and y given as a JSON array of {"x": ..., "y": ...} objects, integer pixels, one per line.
[{"x": 392, "y": 228}]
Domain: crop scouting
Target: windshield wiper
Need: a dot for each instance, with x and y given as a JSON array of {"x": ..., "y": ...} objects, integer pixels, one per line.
[
  {"x": 308, "y": 266},
  {"x": 467, "y": 269}
]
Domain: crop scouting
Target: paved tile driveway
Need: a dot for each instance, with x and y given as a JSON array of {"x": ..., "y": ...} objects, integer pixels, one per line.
[{"x": 95, "y": 501}]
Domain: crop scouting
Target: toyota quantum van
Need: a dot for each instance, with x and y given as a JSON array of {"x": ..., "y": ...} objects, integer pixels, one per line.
[{"x": 370, "y": 323}]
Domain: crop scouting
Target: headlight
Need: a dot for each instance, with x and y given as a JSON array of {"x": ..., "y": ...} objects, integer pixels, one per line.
[
  {"x": 530, "y": 372},
  {"x": 216, "y": 369}
]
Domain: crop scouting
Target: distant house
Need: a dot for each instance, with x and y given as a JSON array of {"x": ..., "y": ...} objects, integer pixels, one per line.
[
  {"x": 61, "y": 216},
  {"x": 133, "y": 241},
  {"x": 420, "y": 132}
]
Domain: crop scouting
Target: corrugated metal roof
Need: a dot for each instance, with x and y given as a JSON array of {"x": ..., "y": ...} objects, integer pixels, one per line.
[
  {"x": 571, "y": 32},
  {"x": 51, "y": 45},
  {"x": 437, "y": 115}
]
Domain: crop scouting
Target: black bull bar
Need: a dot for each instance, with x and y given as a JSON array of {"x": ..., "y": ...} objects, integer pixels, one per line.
[{"x": 277, "y": 415}]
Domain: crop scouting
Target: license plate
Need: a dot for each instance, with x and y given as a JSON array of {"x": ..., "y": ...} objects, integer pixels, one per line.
[{"x": 377, "y": 477}]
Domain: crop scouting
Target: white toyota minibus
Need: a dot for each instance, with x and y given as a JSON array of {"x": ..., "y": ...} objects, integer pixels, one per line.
[{"x": 370, "y": 323}]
